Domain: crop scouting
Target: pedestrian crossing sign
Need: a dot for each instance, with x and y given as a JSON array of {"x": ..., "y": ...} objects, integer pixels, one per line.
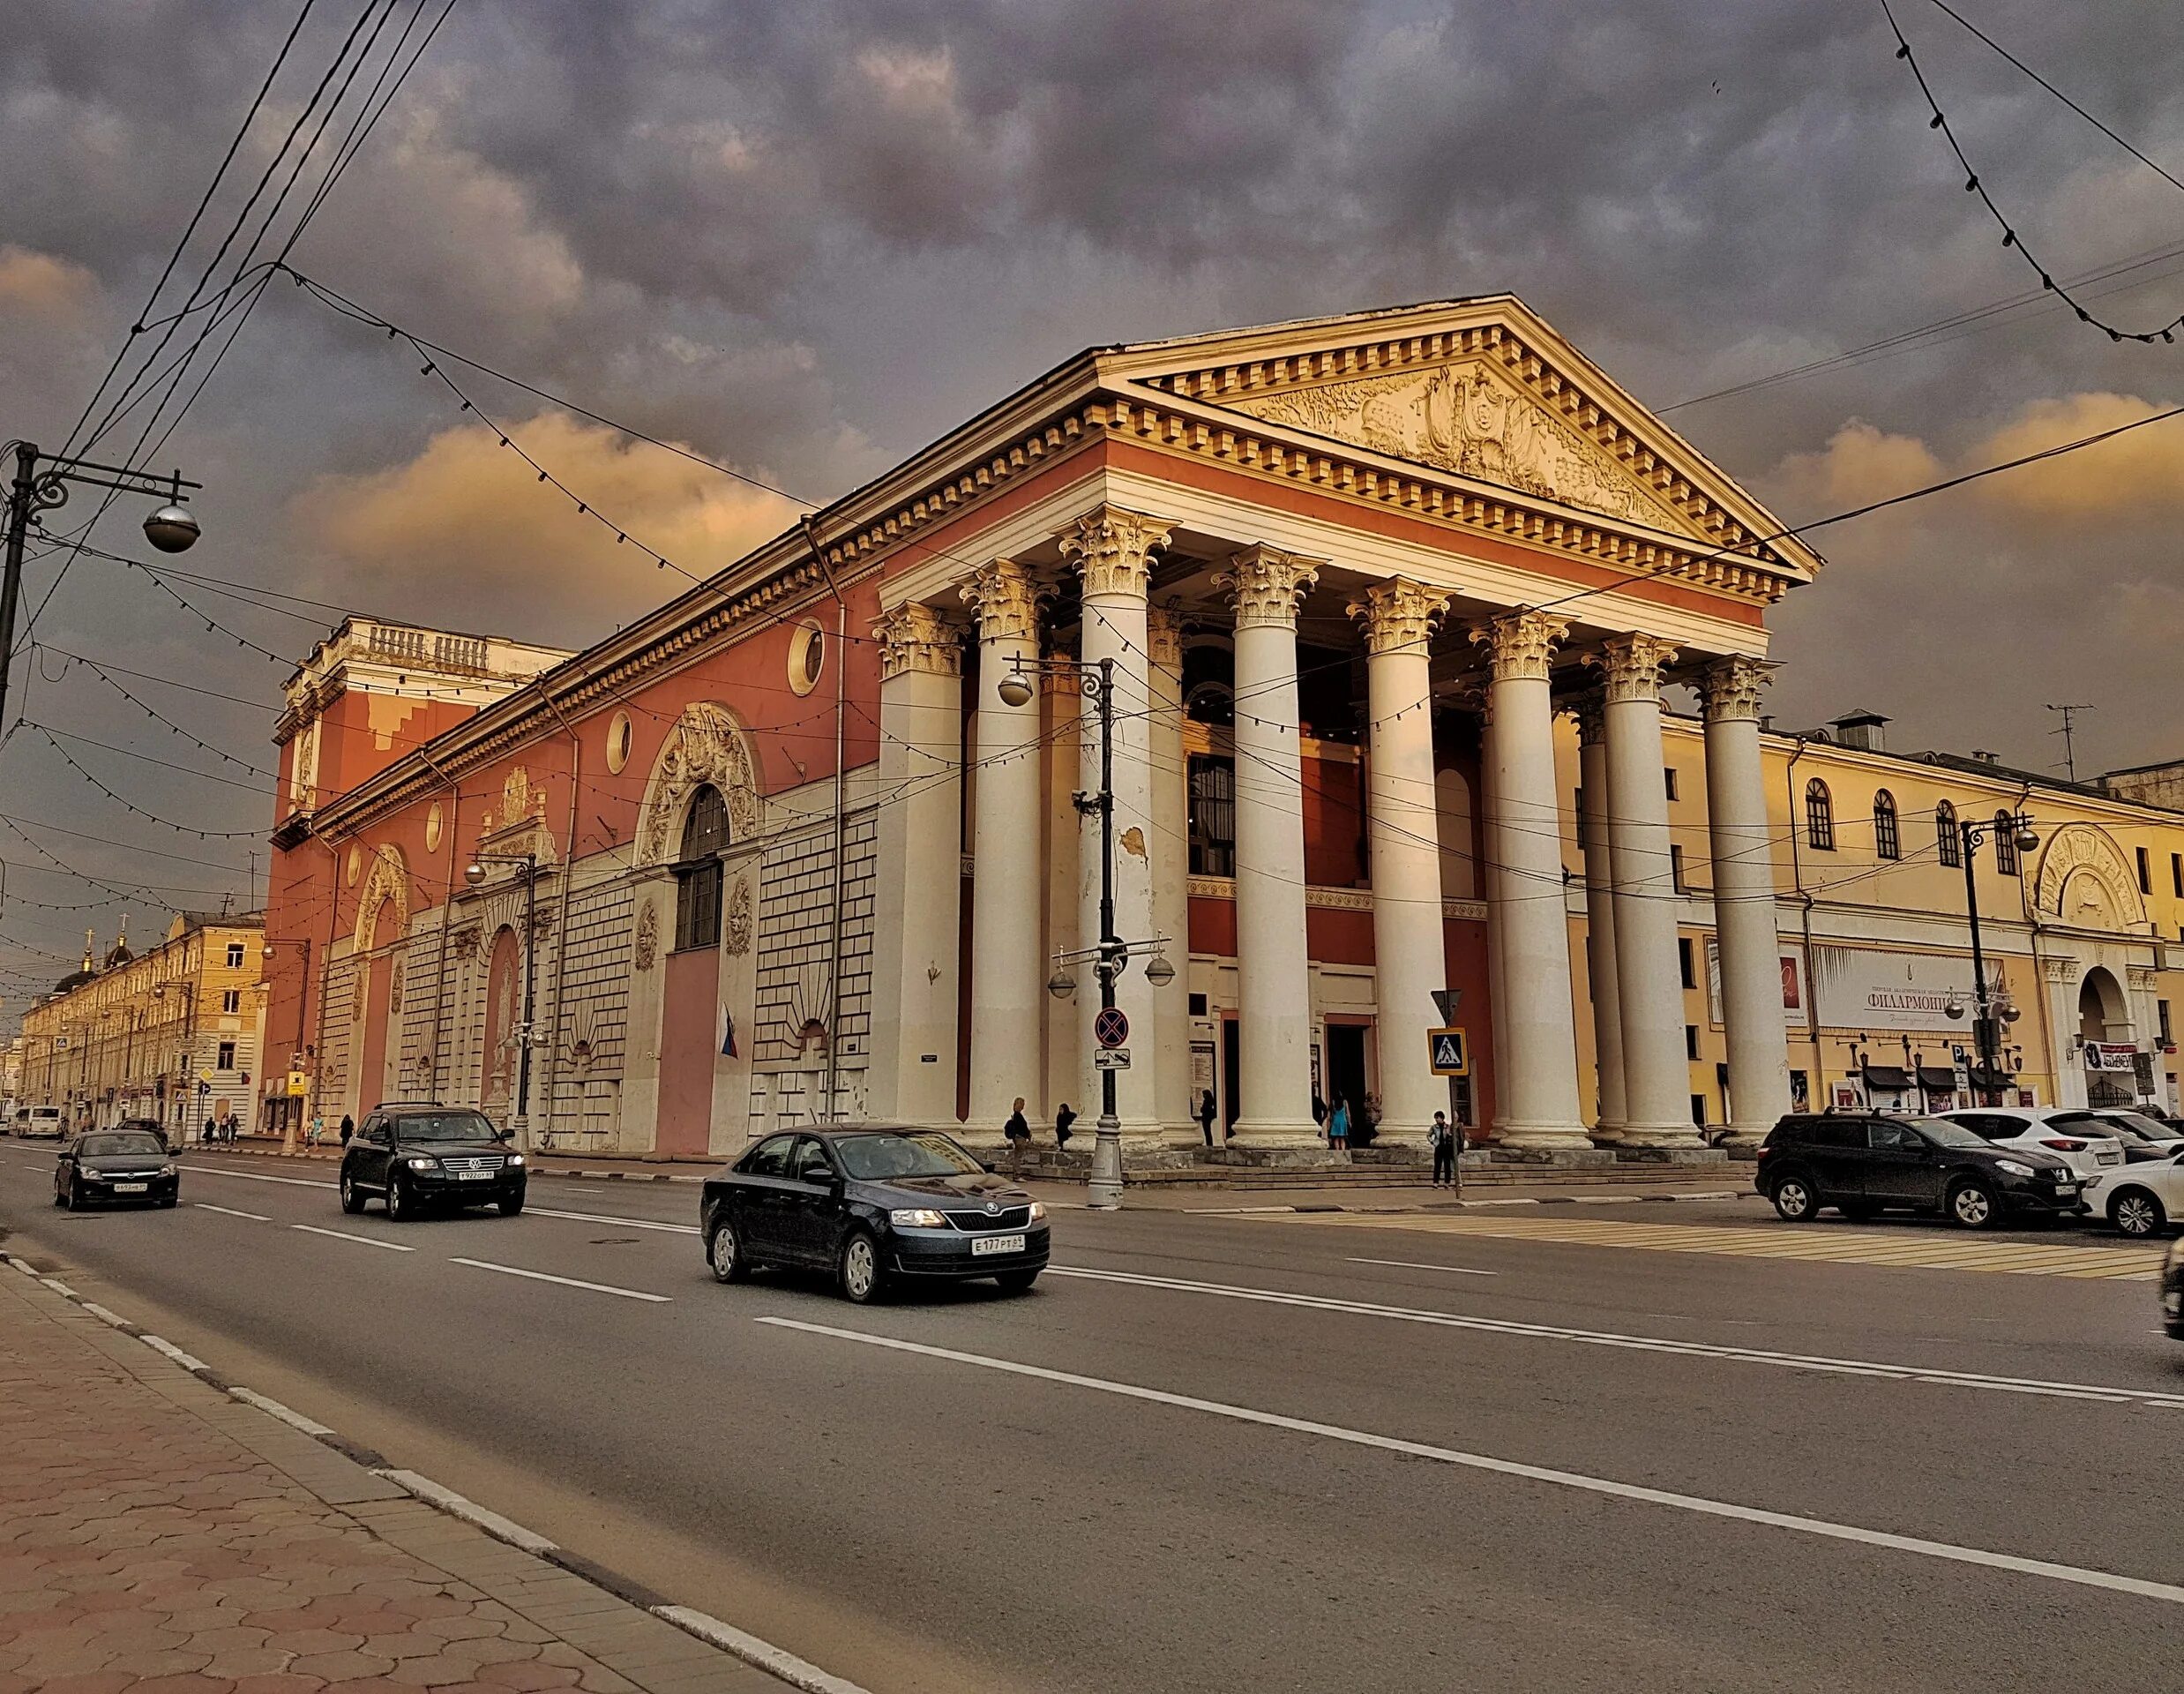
[{"x": 1450, "y": 1053}]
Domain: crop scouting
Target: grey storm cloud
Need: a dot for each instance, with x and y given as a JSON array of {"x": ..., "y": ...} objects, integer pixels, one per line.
[{"x": 805, "y": 237}]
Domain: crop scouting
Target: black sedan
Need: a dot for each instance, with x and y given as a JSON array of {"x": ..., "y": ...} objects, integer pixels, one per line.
[
  {"x": 419, "y": 1156},
  {"x": 2173, "y": 1291},
  {"x": 873, "y": 1204},
  {"x": 116, "y": 1165}
]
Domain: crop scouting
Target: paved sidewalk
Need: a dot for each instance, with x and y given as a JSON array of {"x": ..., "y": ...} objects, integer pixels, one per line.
[{"x": 158, "y": 1535}]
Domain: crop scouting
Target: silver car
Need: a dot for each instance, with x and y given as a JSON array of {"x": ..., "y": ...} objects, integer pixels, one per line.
[{"x": 2032, "y": 1129}]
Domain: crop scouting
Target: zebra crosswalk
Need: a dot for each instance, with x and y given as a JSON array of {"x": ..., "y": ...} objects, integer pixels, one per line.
[{"x": 1823, "y": 1243}]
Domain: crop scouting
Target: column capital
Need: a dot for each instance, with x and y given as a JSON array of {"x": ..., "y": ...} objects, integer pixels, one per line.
[
  {"x": 1005, "y": 597},
  {"x": 1399, "y": 615},
  {"x": 1164, "y": 637},
  {"x": 1520, "y": 643},
  {"x": 1589, "y": 708},
  {"x": 1267, "y": 585},
  {"x": 915, "y": 637},
  {"x": 1112, "y": 550},
  {"x": 1731, "y": 687},
  {"x": 1631, "y": 666}
]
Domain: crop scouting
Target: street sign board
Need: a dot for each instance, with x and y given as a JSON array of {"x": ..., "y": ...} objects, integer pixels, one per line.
[
  {"x": 1449, "y": 1052},
  {"x": 1446, "y": 1001},
  {"x": 1111, "y": 1027},
  {"x": 1111, "y": 1058},
  {"x": 299, "y": 1084}
]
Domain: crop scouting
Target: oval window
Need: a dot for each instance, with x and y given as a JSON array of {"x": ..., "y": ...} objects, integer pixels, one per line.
[
  {"x": 432, "y": 821},
  {"x": 620, "y": 737},
  {"x": 807, "y": 656},
  {"x": 355, "y": 864}
]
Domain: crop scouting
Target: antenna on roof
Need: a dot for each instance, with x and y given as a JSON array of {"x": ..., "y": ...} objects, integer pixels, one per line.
[{"x": 2069, "y": 744}]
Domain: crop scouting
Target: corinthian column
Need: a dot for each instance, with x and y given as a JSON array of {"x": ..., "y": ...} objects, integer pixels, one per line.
[
  {"x": 1592, "y": 834},
  {"x": 1008, "y": 975},
  {"x": 1410, "y": 955},
  {"x": 1111, "y": 551},
  {"x": 1171, "y": 873},
  {"x": 1657, "y": 1070},
  {"x": 918, "y": 897},
  {"x": 1273, "y": 967},
  {"x": 1537, "y": 1089},
  {"x": 1741, "y": 845}
]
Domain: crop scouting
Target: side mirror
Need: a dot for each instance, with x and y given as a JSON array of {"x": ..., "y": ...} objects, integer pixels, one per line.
[{"x": 504, "y": 1134}]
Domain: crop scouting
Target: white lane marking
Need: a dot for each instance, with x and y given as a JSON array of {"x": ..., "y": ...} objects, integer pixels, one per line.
[
  {"x": 599, "y": 1217},
  {"x": 1692, "y": 1502},
  {"x": 1414, "y": 1265},
  {"x": 169, "y": 1350},
  {"x": 566, "y": 1282},
  {"x": 362, "y": 1241},
  {"x": 229, "y": 1211},
  {"x": 274, "y": 1409},
  {"x": 456, "y": 1506},
  {"x": 795, "y": 1672},
  {"x": 259, "y": 1176},
  {"x": 2103, "y": 1393}
]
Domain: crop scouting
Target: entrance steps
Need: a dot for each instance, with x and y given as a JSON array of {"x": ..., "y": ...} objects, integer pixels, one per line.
[{"x": 1373, "y": 1167}]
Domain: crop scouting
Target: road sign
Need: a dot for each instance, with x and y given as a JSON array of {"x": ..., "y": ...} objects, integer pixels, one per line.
[
  {"x": 1449, "y": 1052},
  {"x": 1446, "y": 1001},
  {"x": 299, "y": 1084},
  {"x": 1111, "y": 1058},
  {"x": 1111, "y": 1028}
]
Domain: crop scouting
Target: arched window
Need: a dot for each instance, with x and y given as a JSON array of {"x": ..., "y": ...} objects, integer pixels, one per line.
[
  {"x": 2005, "y": 843},
  {"x": 1819, "y": 816},
  {"x": 698, "y": 878},
  {"x": 1887, "y": 842},
  {"x": 1945, "y": 838}
]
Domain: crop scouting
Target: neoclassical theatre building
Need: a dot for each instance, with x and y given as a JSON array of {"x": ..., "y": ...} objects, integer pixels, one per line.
[{"x": 1388, "y": 601}]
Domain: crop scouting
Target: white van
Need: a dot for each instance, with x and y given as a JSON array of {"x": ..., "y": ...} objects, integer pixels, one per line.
[{"x": 39, "y": 1122}]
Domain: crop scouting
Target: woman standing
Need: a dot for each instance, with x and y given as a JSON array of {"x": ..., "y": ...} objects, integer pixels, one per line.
[
  {"x": 1338, "y": 1126},
  {"x": 1019, "y": 1134}
]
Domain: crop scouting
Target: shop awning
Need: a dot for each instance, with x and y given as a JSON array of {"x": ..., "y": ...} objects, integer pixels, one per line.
[
  {"x": 1893, "y": 1077},
  {"x": 1940, "y": 1079}
]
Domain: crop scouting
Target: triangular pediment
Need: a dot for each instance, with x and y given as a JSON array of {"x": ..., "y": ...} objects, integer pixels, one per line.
[{"x": 1485, "y": 391}]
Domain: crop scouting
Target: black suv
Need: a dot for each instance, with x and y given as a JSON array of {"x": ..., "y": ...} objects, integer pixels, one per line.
[
  {"x": 418, "y": 1156},
  {"x": 1865, "y": 1162}
]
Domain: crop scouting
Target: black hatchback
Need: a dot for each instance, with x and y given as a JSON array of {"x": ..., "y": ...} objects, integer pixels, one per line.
[
  {"x": 421, "y": 1156},
  {"x": 871, "y": 1204},
  {"x": 1863, "y": 1163},
  {"x": 115, "y": 1166}
]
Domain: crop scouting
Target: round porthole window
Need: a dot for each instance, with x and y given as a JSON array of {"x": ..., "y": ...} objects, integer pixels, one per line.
[
  {"x": 620, "y": 737},
  {"x": 432, "y": 824},
  {"x": 807, "y": 656},
  {"x": 355, "y": 864}
]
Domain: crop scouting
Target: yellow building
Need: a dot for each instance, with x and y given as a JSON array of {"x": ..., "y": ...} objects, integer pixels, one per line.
[
  {"x": 171, "y": 1034},
  {"x": 2081, "y": 931}
]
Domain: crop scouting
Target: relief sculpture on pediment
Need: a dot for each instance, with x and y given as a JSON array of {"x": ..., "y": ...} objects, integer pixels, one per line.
[{"x": 1466, "y": 418}]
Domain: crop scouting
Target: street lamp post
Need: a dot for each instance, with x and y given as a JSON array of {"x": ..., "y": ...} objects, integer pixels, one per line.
[
  {"x": 474, "y": 873},
  {"x": 1988, "y": 1012},
  {"x": 41, "y": 483},
  {"x": 1111, "y": 956}
]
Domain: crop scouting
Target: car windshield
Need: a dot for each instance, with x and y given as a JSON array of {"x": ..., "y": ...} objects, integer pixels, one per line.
[
  {"x": 2142, "y": 1126},
  {"x": 875, "y": 1158},
  {"x": 1942, "y": 1133},
  {"x": 133, "y": 1141},
  {"x": 445, "y": 1126}
]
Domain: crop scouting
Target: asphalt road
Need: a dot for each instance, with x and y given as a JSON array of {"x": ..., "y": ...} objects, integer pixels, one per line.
[{"x": 1221, "y": 1452}]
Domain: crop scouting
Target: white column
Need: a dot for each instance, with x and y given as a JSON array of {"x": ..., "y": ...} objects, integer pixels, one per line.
[
  {"x": 1490, "y": 803},
  {"x": 2060, "y": 979},
  {"x": 1273, "y": 967},
  {"x": 1411, "y": 959},
  {"x": 1592, "y": 834},
  {"x": 1741, "y": 842},
  {"x": 1539, "y": 1085},
  {"x": 1657, "y": 1070},
  {"x": 918, "y": 893},
  {"x": 1171, "y": 876},
  {"x": 1112, "y": 549},
  {"x": 1008, "y": 972}
]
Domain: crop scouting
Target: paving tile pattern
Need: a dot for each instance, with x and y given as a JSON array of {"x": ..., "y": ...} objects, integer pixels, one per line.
[{"x": 148, "y": 1544}]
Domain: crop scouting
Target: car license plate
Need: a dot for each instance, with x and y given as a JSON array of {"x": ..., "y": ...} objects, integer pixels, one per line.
[
  {"x": 132, "y": 1188},
  {"x": 981, "y": 1245},
  {"x": 2066, "y": 1189},
  {"x": 473, "y": 1176}
]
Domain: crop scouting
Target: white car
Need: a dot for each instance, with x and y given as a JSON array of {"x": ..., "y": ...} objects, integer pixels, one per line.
[
  {"x": 40, "y": 1121},
  {"x": 2029, "y": 1128},
  {"x": 2140, "y": 1200}
]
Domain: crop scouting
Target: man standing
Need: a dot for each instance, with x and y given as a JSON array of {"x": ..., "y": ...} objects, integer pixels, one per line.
[
  {"x": 1017, "y": 1132},
  {"x": 1442, "y": 1139}
]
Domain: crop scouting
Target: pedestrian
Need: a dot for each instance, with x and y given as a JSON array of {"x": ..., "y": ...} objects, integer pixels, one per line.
[
  {"x": 1338, "y": 1126},
  {"x": 1319, "y": 1109},
  {"x": 317, "y": 1128},
  {"x": 1018, "y": 1133},
  {"x": 1442, "y": 1140},
  {"x": 349, "y": 1128},
  {"x": 1063, "y": 1119},
  {"x": 1205, "y": 1110}
]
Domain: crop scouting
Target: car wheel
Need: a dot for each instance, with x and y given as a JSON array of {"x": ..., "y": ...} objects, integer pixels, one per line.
[
  {"x": 859, "y": 1270},
  {"x": 1795, "y": 1201},
  {"x": 75, "y": 1196},
  {"x": 724, "y": 1252},
  {"x": 351, "y": 1201},
  {"x": 2139, "y": 1214},
  {"x": 399, "y": 1206},
  {"x": 1972, "y": 1205},
  {"x": 1016, "y": 1282},
  {"x": 511, "y": 1205},
  {"x": 60, "y": 1196}
]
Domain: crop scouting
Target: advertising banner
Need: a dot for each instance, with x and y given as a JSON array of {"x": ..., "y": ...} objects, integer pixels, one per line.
[{"x": 1866, "y": 989}]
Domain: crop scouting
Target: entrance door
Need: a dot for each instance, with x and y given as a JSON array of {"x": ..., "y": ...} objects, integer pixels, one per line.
[{"x": 1346, "y": 1068}]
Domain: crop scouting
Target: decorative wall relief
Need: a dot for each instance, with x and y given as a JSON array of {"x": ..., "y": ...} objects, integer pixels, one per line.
[
  {"x": 743, "y": 921},
  {"x": 646, "y": 949}
]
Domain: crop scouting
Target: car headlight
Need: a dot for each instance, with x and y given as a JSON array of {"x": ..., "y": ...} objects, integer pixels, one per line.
[
  {"x": 917, "y": 1217},
  {"x": 515, "y": 1159},
  {"x": 170, "y": 1170},
  {"x": 420, "y": 1163},
  {"x": 1038, "y": 1210},
  {"x": 2012, "y": 1166}
]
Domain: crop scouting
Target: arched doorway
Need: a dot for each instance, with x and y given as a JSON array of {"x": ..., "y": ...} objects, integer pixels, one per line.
[
  {"x": 2104, "y": 1022},
  {"x": 503, "y": 1014},
  {"x": 691, "y": 1036},
  {"x": 371, "y": 1086}
]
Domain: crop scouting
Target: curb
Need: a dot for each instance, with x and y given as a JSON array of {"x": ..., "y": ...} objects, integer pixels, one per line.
[
  {"x": 1475, "y": 1205},
  {"x": 760, "y": 1654},
  {"x": 588, "y": 1176}
]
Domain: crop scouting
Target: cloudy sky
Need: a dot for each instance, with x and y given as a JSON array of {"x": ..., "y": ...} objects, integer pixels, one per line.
[{"x": 806, "y": 237}]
